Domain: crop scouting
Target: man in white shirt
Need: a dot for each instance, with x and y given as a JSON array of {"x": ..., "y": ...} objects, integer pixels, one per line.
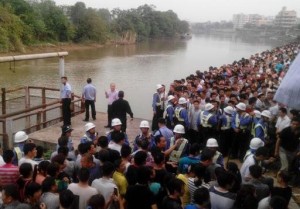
[
  {"x": 106, "y": 184},
  {"x": 111, "y": 95},
  {"x": 29, "y": 153},
  {"x": 117, "y": 140},
  {"x": 89, "y": 99},
  {"x": 283, "y": 120},
  {"x": 82, "y": 189}
]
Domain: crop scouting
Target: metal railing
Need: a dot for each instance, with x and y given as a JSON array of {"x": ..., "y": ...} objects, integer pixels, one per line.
[{"x": 33, "y": 117}]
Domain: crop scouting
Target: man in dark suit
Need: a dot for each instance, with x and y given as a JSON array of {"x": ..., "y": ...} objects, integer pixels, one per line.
[{"x": 120, "y": 108}]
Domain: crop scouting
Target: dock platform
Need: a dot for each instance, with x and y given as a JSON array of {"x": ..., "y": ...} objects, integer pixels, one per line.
[{"x": 48, "y": 137}]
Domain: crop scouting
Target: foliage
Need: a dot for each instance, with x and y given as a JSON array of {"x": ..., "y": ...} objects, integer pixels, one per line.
[{"x": 25, "y": 22}]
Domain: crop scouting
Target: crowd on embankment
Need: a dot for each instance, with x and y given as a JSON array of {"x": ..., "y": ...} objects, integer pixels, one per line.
[{"x": 178, "y": 162}]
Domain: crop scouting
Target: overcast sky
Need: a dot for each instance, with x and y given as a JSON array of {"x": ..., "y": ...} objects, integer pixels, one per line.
[{"x": 199, "y": 10}]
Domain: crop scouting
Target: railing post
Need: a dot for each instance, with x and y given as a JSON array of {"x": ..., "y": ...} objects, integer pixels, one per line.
[
  {"x": 38, "y": 120},
  {"x": 44, "y": 106},
  {"x": 9, "y": 133},
  {"x": 3, "y": 101},
  {"x": 27, "y": 105}
]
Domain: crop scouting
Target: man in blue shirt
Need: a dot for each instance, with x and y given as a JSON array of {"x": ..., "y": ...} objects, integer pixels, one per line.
[
  {"x": 192, "y": 158},
  {"x": 157, "y": 105},
  {"x": 170, "y": 112},
  {"x": 66, "y": 94},
  {"x": 208, "y": 121},
  {"x": 181, "y": 113},
  {"x": 164, "y": 131},
  {"x": 89, "y": 99},
  {"x": 260, "y": 128}
]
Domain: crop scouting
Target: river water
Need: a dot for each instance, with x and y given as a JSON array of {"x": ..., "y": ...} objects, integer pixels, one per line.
[{"x": 136, "y": 69}]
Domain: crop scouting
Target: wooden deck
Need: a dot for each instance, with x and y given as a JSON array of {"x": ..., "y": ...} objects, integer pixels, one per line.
[{"x": 48, "y": 137}]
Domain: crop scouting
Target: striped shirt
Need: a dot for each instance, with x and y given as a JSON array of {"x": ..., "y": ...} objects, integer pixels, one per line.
[
  {"x": 192, "y": 187},
  {"x": 9, "y": 174}
]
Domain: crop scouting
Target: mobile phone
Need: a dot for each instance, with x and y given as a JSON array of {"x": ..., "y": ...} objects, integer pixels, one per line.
[{"x": 115, "y": 191}]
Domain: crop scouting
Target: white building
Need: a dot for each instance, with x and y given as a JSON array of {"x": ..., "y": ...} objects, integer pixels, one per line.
[
  {"x": 285, "y": 18},
  {"x": 239, "y": 20}
]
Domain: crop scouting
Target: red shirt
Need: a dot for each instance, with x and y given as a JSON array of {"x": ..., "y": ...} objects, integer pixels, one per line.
[{"x": 9, "y": 174}]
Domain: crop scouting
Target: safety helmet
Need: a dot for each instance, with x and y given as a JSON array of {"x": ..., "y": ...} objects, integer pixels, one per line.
[
  {"x": 241, "y": 106},
  {"x": 229, "y": 110},
  {"x": 89, "y": 126},
  {"x": 116, "y": 122},
  {"x": 179, "y": 129},
  {"x": 170, "y": 97},
  {"x": 159, "y": 86},
  {"x": 266, "y": 113},
  {"x": 20, "y": 136},
  {"x": 208, "y": 106},
  {"x": 212, "y": 143},
  {"x": 182, "y": 100},
  {"x": 256, "y": 143},
  {"x": 144, "y": 124},
  {"x": 257, "y": 113}
]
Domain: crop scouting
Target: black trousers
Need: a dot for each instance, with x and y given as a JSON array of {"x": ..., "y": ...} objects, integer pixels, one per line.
[
  {"x": 159, "y": 114},
  {"x": 66, "y": 111},
  {"x": 240, "y": 144},
  {"x": 87, "y": 104},
  {"x": 109, "y": 115},
  {"x": 225, "y": 141}
]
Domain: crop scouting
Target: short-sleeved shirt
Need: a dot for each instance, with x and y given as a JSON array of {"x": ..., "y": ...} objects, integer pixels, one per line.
[
  {"x": 66, "y": 91},
  {"x": 220, "y": 199},
  {"x": 9, "y": 174},
  {"x": 139, "y": 196},
  {"x": 89, "y": 92},
  {"x": 84, "y": 193}
]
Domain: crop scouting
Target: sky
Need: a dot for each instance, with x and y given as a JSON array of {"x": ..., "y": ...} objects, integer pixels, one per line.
[{"x": 199, "y": 10}]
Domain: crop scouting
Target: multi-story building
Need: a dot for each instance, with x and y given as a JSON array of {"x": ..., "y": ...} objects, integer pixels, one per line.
[
  {"x": 286, "y": 18},
  {"x": 239, "y": 20}
]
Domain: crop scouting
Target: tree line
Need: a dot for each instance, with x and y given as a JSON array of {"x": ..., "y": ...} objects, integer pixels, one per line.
[{"x": 30, "y": 22}]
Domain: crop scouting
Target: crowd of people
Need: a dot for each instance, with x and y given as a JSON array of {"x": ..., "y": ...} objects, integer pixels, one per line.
[{"x": 213, "y": 137}]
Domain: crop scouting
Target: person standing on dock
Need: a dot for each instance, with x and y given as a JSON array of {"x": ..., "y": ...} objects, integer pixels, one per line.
[
  {"x": 120, "y": 108},
  {"x": 89, "y": 99},
  {"x": 157, "y": 105},
  {"x": 111, "y": 95},
  {"x": 66, "y": 94}
]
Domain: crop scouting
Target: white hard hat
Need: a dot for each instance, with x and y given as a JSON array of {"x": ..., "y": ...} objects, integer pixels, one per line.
[
  {"x": 208, "y": 106},
  {"x": 170, "y": 97},
  {"x": 182, "y": 100},
  {"x": 229, "y": 110},
  {"x": 144, "y": 124},
  {"x": 179, "y": 129},
  {"x": 212, "y": 143},
  {"x": 20, "y": 136},
  {"x": 266, "y": 113},
  {"x": 241, "y": 106},
  {"x": 256, "y": 143},
  {"x": 89, "y": 126},
  {"x": 116, "y": 122},
  {"x": 159, "y": 86},
  {"x": 257, "y": 113}
]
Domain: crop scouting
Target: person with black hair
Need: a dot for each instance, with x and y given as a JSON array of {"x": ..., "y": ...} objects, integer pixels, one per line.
[
  {"x": 139, "y": 160},
  {"x": 106, "y": 185},
  {"x": 97, "y": 201},
  {"x": 144, "y": 135},
  {"x": 10, "y": 196},
  {"x": 283, "y": 189},
  {"x": 39, "y": 154},
  {"x": 119, "y": 176},
  {"x": 9, "y": 173},
  {"x": 176, "y": 190},
  {"x": 201, "y": 199},
  {"x": 120, "y": 108},
  {"x": 50, "y": 196},
  {"x": 29, "y": 154},
  {"x": 25, "y": 178},
  {"x": 42, "y": 171},
  {"x": 82, "y": 189},
  {"x": 277, "y": 202},
  {"x": 233, "y": 168},
  {"x": 283, "y": 121},
  {"x": 143, "y": 146},
  {"x": 139, "y": 195},
  {"x": 126, "y": 155},
  {"x": 165, "y": 131},
  {"x": 220, "y": 196},
  {"x": 192, "y": 158},
  {"x": 262, "y": 190},
  {"x": 118, "y": 139},
  {"x": 287, "y": 144},
  {"x": 67, "y": 200},
  {"x": 33, "y": 192},
  {"x": 89, "y": 99},
  {"x": 246, "y": 198},
  {"x": 159, "y": 168}
]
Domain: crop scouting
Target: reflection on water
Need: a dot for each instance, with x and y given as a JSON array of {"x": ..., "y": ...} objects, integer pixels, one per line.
[{"x": 136, "y": 69}]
